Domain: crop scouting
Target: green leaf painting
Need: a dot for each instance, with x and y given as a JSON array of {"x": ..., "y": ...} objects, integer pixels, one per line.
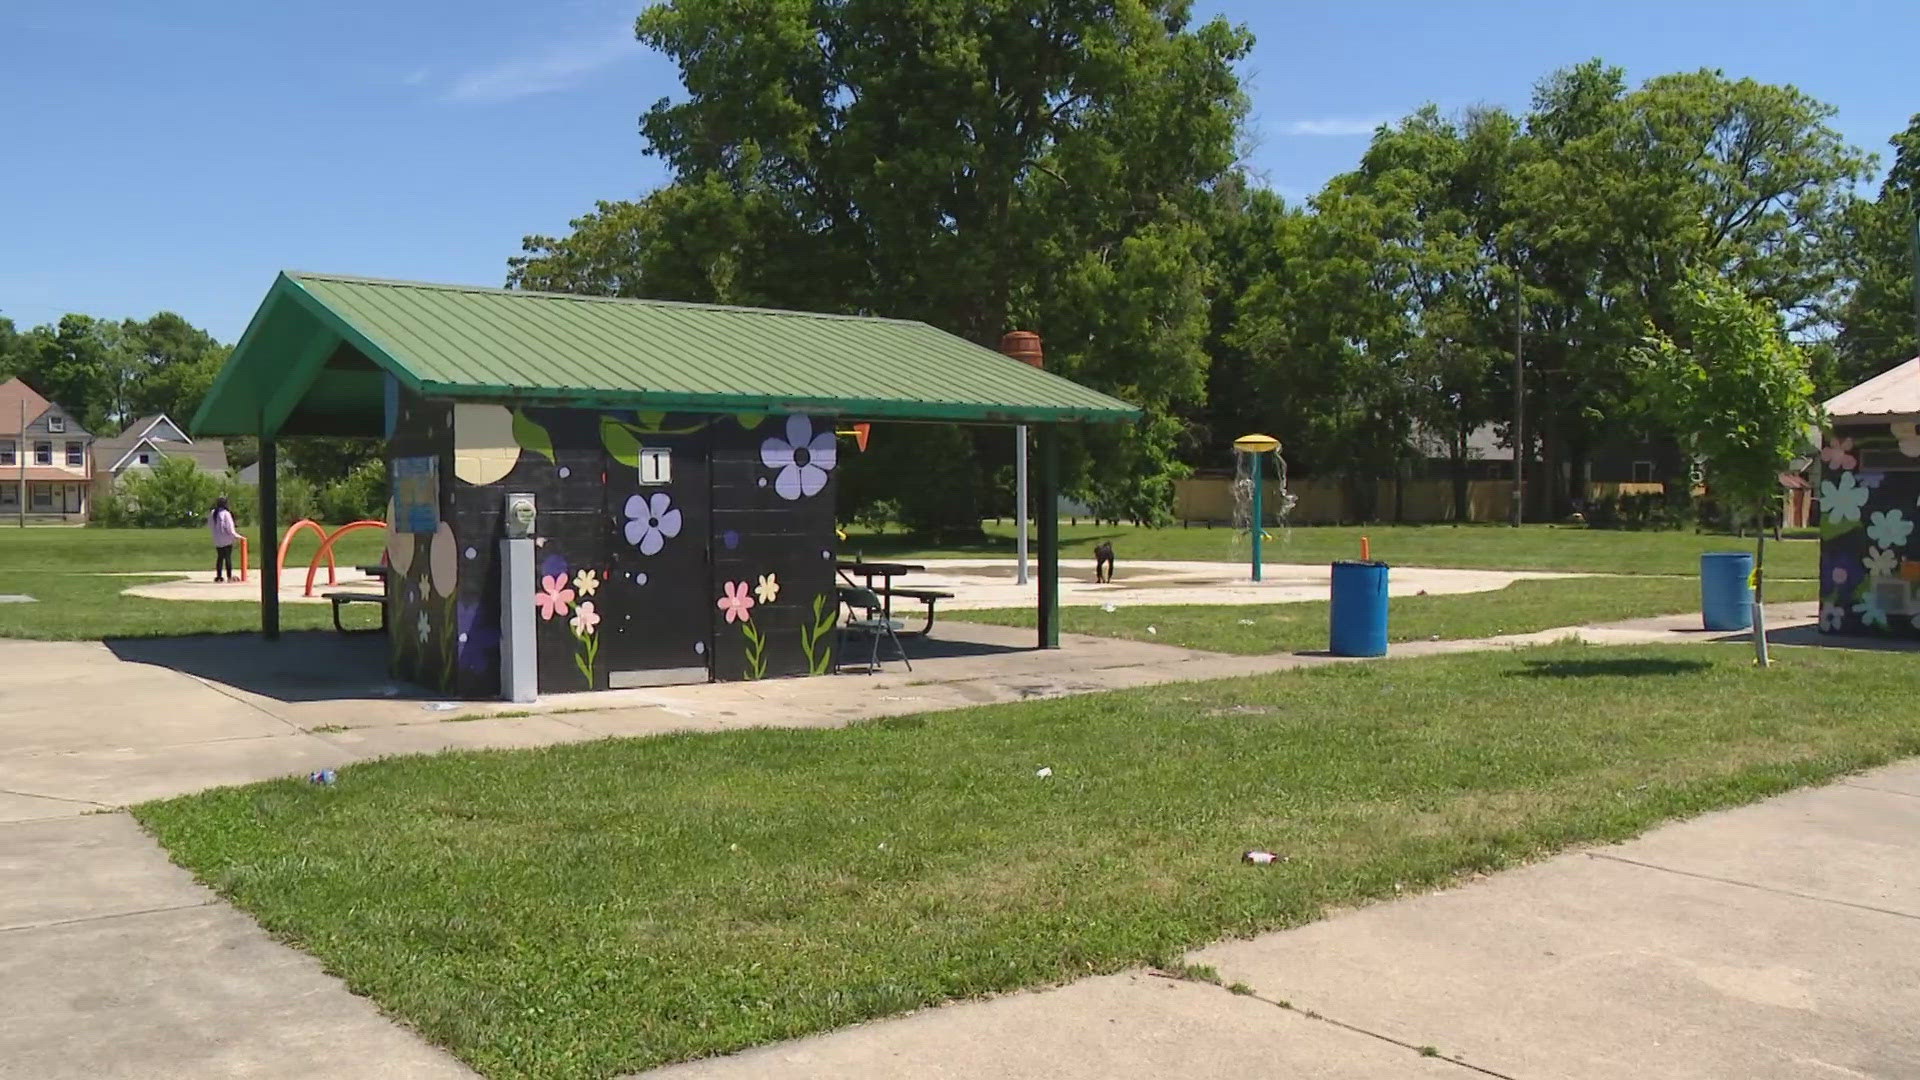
[
  {"x": 621, "y": 443},
  {"x": 531, "y": 436}
]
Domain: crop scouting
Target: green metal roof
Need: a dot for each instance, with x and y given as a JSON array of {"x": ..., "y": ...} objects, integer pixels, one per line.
[{"x": 301, "y": 358}]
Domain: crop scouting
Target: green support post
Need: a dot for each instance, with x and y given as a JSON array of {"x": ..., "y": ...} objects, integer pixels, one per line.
[
  {"x": 1047, "y": 505},
  {"x": 269, "y": 539}
]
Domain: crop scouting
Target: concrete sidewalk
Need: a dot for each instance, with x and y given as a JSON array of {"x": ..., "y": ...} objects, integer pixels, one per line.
[{"x": 1780, "y": 940}]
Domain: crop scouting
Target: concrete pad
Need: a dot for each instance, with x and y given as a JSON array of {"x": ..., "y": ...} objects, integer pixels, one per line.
[
  {"x": 20, "y": 806},
  {"x": 434, "y": 736},
  {"x": 1903, "y": 779},
  {"x": 198, "y": 992},
  {"x": 119, "y": 777},
  {"x": 1842, "y": 842},
  {"x": 86, "y": 867},
  {"x": 65, "y": 695},
  {"x": 1591, "y": 968},
  {"x": 1132, "y": 1025}
]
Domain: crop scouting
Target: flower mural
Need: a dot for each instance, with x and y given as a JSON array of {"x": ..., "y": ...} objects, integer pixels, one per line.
[
  {"x": 583, "y": 624},
  {"x": 423, "y": 627},
  {"x": 443, "y": 561},
  {"x": 1881, "y": 562},
  {"x": 1870, "y": 611},
  {"x": 651, "y": 522},
  {"x": 586, "y": 582},
  {"x": 479, "y": 639},
  {"x": 1832, "y": 616},
  {"x": 801, "y": 461},
  {"x": 738, "y": 605},
  {"x": 768, "y": 589},
  {"x": 584, "y": 620},
  {"x": 554, "y": 598},
  {"x": 1842, "y": 499},
  {"x": 1838, "y": 453},
  {"x": 735, "y": 602},
  {"x": 1889, "y": 528}
]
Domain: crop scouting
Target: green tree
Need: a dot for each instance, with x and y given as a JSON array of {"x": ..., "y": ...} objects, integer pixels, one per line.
[
  {"x": 173, "y": 365},
  {"x": 1729, "y": 381},
  {"x": 971, "y": 163},
  {"x": 81, "y": 363},
  {"x": 1877, "y": 321}
]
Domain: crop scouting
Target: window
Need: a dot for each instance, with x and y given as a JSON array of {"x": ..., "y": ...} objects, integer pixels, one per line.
[
  {"x": 1643, "y": 472},
  {"x": 76, "y": 454},
  {"x": 43, "y": 453},
  {"x": 655, "y": 466},
  {"x": 42, "y": 496},
  {"x": 10, "y": 495},
  {"x": 57, "y": 424},
  {"x": 144, "y": 458},
  {"x": 6, "y": 452}
]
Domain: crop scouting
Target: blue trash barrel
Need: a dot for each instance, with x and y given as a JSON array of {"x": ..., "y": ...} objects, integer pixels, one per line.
[
  {"x": 1359, "y": 609},
  {"x": 1726, "y": 592}
]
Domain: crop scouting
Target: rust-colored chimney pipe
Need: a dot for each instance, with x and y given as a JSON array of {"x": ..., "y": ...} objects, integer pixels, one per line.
[{"x": 1024, "y": 346}]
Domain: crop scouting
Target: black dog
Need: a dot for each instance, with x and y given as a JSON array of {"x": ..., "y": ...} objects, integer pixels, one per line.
[{"x": 1103, "y": 563}]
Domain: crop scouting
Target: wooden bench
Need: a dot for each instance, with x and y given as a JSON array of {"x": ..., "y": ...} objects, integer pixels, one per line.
[
  {"x": 342, "y": 599},
  {"x": 925, "y": 596}
]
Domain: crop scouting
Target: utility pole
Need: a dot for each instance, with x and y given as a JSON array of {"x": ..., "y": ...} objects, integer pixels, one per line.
[
  {"x": 1916, "y": 273},
  {"x": 20, "y": 455},
  {"x": 1519, "y": 408}
]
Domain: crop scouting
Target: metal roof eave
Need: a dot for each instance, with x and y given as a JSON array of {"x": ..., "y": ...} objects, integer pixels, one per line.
[{"x": 862, "y": 408}]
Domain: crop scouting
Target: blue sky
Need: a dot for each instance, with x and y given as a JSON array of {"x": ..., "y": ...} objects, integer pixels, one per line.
[{"x": 175, "y": 155}]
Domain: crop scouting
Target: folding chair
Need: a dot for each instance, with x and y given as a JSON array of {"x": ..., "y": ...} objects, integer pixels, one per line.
[{"x": 875, "y": 624}]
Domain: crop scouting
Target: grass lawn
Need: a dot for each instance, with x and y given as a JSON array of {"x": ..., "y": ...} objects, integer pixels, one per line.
[
  {"x": 585, "y": 910},
  {"x": 114, "y": 551},
  {"x": 1491, "y": 547},
  {"x": 1520, "y": 608},
  {"x": 87, "y": 607}
]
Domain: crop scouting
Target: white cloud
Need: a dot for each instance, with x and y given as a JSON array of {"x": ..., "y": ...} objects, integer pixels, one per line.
[
  {"x": 1334, "y": 125},
  {"x": 556, "y": 67}
]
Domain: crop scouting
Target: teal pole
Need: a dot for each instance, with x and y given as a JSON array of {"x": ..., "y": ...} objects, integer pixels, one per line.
[{"x": 1257, "y": 484}]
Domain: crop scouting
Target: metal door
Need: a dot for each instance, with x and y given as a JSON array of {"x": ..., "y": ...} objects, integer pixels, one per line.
[{"x": 655, "y": 628}]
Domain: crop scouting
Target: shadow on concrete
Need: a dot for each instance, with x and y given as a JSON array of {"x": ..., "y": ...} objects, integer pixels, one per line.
[
  {"x": 304, "y": 665},
  {"x": 1593, "y": 669},
  {"x": 1812, "y": 636}
]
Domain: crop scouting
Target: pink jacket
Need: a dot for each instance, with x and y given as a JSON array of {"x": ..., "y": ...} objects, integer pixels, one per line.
[{"x": 224, "y": 534}]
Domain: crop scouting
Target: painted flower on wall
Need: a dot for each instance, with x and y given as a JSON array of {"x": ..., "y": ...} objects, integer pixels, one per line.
[
  {"x": 479, "y": 640},
  {"x": 443, "y": 561},
  {"x": 768, "y": 589},
  {"x": 554, "y": 598},
  {"x": 1832, "y": 616},
  {"x": 424, "y": 627},
  {"x": 802, "y": 460},
  {"x": 1889, "y": 528},
  {"x": 1842, "y": 499},
  {"x": 1870, "y": 611},
  {"x": 584, "y": 619},
  {"x": 587, "y": 582},
  {"x": 651, "y": 522},
  {"x": 735, "y": 602},
  {"x": 1881, "y": 562},
  {"x": 1838, "y": 453},
  {"x": 1837, "y": 571}
]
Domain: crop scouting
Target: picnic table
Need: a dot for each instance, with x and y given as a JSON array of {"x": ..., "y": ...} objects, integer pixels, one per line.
[
  {"x": 887, "y": 590},
  {"x": 353, "y": 596}
]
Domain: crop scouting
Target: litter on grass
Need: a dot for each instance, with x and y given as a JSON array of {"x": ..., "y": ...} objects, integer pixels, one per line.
[
  {"x": 1108, "y": 608},
  {"x": 1262, "y": 858},
  {"x": 1043, "y": 773},
  {"x": 324, "y": 777}
]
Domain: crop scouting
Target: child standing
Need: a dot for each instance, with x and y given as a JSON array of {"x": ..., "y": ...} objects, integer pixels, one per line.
[{"x": 224, "y": 537}]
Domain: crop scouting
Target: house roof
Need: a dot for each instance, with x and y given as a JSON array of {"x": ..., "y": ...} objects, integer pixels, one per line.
[
  {"x": 113, "y": 454},
  {"x": 42, "y": 472},
  {"x": 1892, "y": 393},
  {"x": 314, "y": 356},
  {"x": 14, "y": 393}
]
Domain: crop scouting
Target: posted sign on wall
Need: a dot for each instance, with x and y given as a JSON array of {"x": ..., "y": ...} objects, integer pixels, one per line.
[{"x": 416, "y": 494}]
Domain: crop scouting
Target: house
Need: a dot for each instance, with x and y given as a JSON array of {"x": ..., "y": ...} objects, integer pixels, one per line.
[
  {"x": 46, "y": 461},
  {"x": 676, "y": 465},
  {"x": 1869, "y": 487},
  {"x": 148, "y": 441}
]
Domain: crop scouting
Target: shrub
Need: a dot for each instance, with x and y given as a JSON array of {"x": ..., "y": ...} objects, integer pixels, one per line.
[
  {"x": 360, "y": 494},
  {"x": 173, "y": 493}
]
